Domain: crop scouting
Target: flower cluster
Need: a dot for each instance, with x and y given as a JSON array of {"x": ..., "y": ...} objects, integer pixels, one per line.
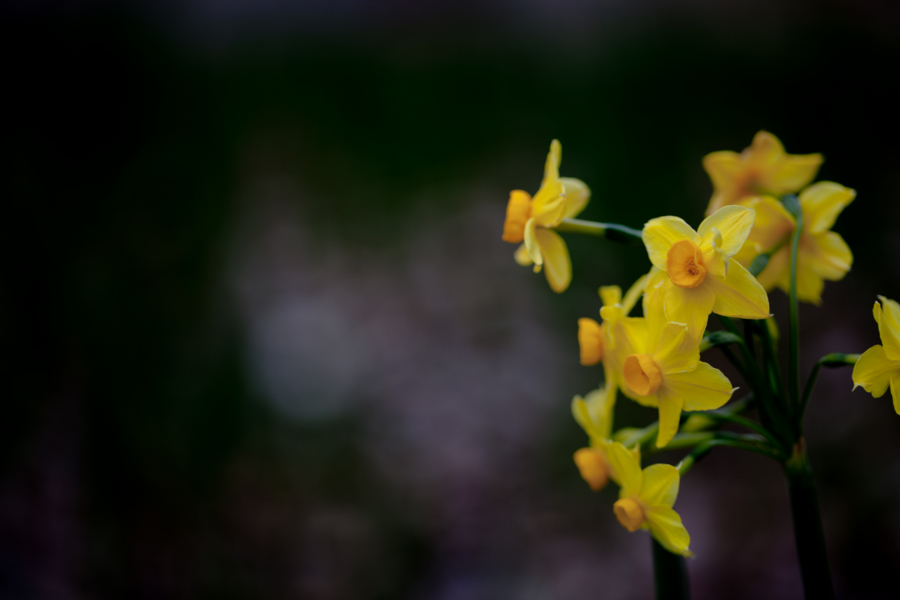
[{"x": 768, "y": 226}]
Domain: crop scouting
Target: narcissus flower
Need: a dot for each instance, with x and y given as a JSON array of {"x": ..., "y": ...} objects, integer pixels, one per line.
[
  {"x": 879, "y": 366},
  {"x": 594, "y": 414},
  {"x": 646, "y": 499},
  {"x": 532, "y": 220},
  {"x": 663, "y": 369},
  {"x": 597, "y": 342},
  {"x": 822, "y": 254},
  {"x": 763, "y": 168},
  {"x": 698, "y": 272}
]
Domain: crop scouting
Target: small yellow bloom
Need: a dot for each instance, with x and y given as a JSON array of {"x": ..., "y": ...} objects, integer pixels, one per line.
[
  {"x": 763, "y": 168},
  {"x": 594, "y": 414},
  {"x": 646, "y": 499},
  {"x": 697, "y": 270},
  {"x": 822, "y": 254},
  {"x": 597, "y": 342},
  {"x": 879, "y": 366},
  {"x": 662, "y": 368},
  {"x": 532, "y": 220}
]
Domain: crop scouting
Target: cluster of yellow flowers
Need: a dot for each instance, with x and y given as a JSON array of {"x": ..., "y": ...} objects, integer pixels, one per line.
[{"x": 654, "y": 359}]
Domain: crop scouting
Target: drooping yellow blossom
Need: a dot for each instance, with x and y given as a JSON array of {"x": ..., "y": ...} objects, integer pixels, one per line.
[
  {"x": 822, "y": 253},
  {"x": 597, "y": 342},
  {"x": 646, "y": 499},
  {"x": 763, "y": 168},
  {"x": 879, "y": 366},
  {"x": 594, "y": 414},
  {"x": 697, "y": 271},
  {"x": 532, "y": 220},
  {"x": 662, "y": 368}
]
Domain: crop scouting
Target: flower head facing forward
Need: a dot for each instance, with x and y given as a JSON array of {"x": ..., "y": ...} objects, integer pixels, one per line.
[
  {"x": 697, "y": 269},
  {"x": 663, "y": 369},
  {"x": 531, "y": 220},
  {"x": 879, "y": 367},
  {"x": 762, "y": 168},
  {"x": 646, "y": 499},
  {"x": 822, "y": 254}
]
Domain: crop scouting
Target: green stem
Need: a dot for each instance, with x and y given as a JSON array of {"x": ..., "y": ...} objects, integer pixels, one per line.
[
  {"x": 770, "y": 356},
  {"x": 811, "y": 552},
  {"x": 833, "y": 360},
  {"x": 611, "y": 231},
  {"x": 669, "y": 574},
  {"x": 753, "y": 426}
]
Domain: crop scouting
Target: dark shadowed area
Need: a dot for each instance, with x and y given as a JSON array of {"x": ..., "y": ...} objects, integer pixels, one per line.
[{"x": 261, "y": 337}]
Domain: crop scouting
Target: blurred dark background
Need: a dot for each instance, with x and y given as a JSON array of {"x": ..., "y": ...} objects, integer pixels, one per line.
[{"x": 261, "y": 338}]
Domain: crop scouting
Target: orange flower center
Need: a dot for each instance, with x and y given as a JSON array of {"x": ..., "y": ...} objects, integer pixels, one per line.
[
  {"x": 642, "y": 375},
  {"x": 590, "y": 341},
  {"x": 593, "y": 467},
  {"x": 518, "y": 211},
  {"x": 684, "y": 263},
  {"x": 630, "y": 513}
]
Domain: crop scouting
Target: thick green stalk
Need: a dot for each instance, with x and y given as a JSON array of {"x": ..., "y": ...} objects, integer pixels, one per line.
[
  {"x": 670, "y": 574},
  {"x": 811, "y": 552},
  {"x": 611, "y": 231}
]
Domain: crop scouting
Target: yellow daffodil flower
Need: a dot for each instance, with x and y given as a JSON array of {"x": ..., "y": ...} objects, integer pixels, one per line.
[
  {"x": 597, "y": 342},
  {"x": 822, "y": 254},
  {"x": 646, "y": 499},
  {"x": 879, "y": 366},
  {"x": 698, "y": 272},
  {"x": 763, "y": 168},
  {"x": 532, "y": 220},
  {"x": 663, "y": 369},
  {"x": 772, "y": 226},
  {"x": 594, "y": 414}
]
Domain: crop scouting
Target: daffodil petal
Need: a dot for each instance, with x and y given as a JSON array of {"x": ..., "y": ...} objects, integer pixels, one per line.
[
  {"x": 669, "y": 416},
  {"x": 873, "y": 371},
  {"x": 777, "y": 272},
  {"x": 578, "y": 194},
  {"x": 531, "y": 244},
  {"x": 660, "y": 485},
  {"x": 557, "y": 265},
  {"x": 549, "y": 205},
  {"x": 723, "y": 168},
  {"x": 665, "y": 525},
  {"x": 822, "y": 202},
  {"x": 633, "y": 294},
  {"x": 521, "y": 256},
  {"x": 794, "y": 172},
  {"x": 809, "y": 283},
  {"x": 690, "y": 306},
  {"x": 582, "y": 416},
  {"x": 739, "y": 294},
  {"x": 610, "y": 295},
  {"x": 551, "y": 166},
  {"x": 676, "y": 350},
  {"x": 764, "y": 154},
  {"x": 887, "y": 314},
  {"x": 828, "y": 255},
  {"x": 704, "y": 388},
  {"x": 661, "y": 233},
  {"x": 627, "y": 468},
  {"x": 599, "y": 404},
  {"x": 732, "y": 222}
]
